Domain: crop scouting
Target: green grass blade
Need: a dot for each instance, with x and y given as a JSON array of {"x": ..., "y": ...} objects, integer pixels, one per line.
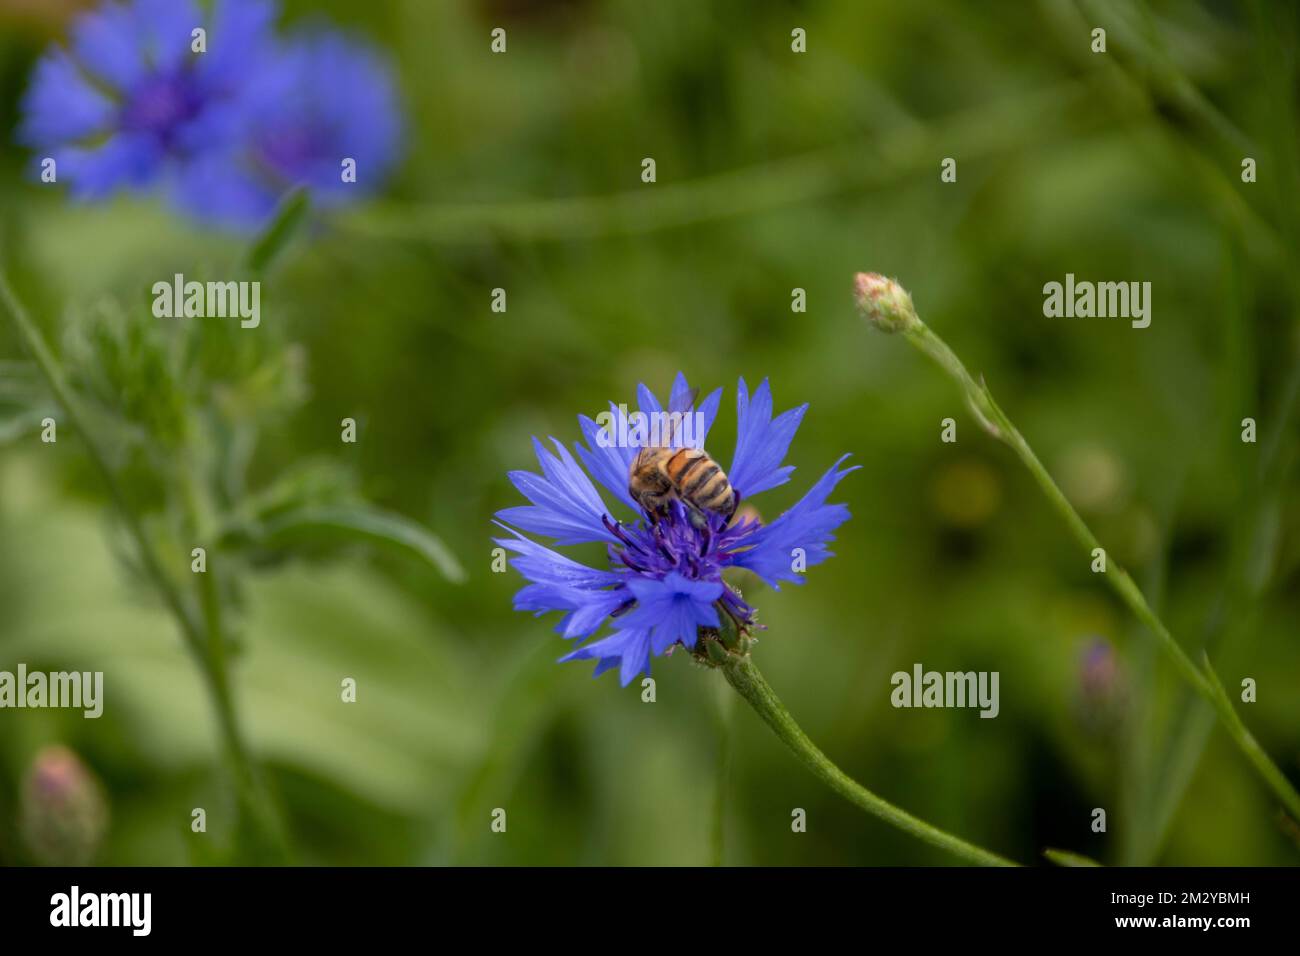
[
  {"x": 368, "y": 523},
  {"x": 279, "y": 232}
]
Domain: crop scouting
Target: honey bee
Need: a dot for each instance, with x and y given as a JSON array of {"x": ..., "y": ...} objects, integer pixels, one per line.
[{"x": 660, "y": 473}]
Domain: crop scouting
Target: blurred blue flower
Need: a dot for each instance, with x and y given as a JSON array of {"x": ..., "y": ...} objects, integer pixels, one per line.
[
  {"x": 664, "y": 580},
  {"x": 226, "y": 131},
  {"x": 128, "y": 102},
  {"x": 322, "y": 100}
]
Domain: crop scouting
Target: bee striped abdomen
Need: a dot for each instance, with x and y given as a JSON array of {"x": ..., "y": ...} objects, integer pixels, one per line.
[
  {"x": 683, "y": 463},
  {"x": 700, "y": 481},
  {"x": 717, "y": 495}
]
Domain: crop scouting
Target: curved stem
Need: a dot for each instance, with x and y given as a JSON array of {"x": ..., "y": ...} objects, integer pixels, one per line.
[
  {"x": 253, "y": 798},
  {"x": 1203, "y": 679},
  {"x": 744, "y": 675},
  {"x": 870, "y": 162}
]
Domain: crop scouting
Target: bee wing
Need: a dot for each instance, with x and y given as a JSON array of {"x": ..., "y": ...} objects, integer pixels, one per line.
[
  {"x": 692, "y": 397},
  {"x": 673, "y": 422}
]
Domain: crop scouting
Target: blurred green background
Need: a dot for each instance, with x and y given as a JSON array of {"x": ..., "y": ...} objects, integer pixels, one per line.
[{"x": 776, "y": 171}]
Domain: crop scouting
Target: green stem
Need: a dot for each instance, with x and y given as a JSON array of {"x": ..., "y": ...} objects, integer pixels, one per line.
[
  {"x": 1233, "y": 617},
  {"x": 252, "y": 796},
  {"x": 874, "y": 161},
  {"x": 1204, "y": 681},
  {"x": 723, "y": 740},
  {"x": 745, "y": 677},
  {"x": 54, "y": 377},
  {"x": 1247, "y": 743}
]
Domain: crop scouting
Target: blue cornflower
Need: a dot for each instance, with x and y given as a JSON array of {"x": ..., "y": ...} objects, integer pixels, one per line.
[
  {"x": 664, "y": 583},
  {"x": 325, "y": 117},
  {"x": 129, "y": 102}
]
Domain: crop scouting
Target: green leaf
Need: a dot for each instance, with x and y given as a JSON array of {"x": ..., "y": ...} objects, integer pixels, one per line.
[
  {"x": 1066, "y": 858},
  {"x": 288, "y": 218},
  {"x": 360, "y": 521},
  {"x": 418, "y": 731}
]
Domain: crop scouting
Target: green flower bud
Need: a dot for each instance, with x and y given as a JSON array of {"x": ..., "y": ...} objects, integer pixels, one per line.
[{"x": 884, "y": 302}]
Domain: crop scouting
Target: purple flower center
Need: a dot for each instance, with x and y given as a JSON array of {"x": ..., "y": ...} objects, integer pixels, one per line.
[
  {"x": 291, "y": 150},
  {"x": 161, "y": 104},
  {"x": 694, "y": 549}
]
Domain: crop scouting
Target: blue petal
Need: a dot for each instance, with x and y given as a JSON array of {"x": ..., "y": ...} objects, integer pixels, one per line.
[
  {"x": 165, "y": 27},
  {"x": 566, "y": 505},
  {"x": 636, "y": 660},
  {"x": 682, "y": 623},
  {"x": 541, "y": 564},
  {"x": 123, "y": 160},
  {"x": 584, "y": 610},
  {"x": 646, "y": 400},
  {"x": 564, "y": 473},
  {"x": 679, "y": 397},
  {"x": 107, "y": 43},
  {"x": 809, "y": 525},
  {"x": 607, "y": 460},
  {"x": 216, "y": 188},
  {"x": 241, "y": 34},
  {"x": 675, "y": 584},
  {"x": 586, "y": 595},
  {"x": 604, "y": 664},
  {"x": 590, "y": 609},
  {"x": 672, "y": 609},
  {"x": 680, "y": 401},
  {"x": 61, "y": 104},
  {"x": 630, "y": 648},
  {"x": 708, "y": 414},
  {"x": 761, "y": 443}
]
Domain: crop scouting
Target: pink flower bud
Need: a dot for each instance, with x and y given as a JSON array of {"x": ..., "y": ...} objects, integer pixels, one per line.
[
  {"x": 884, "y": 302},
  {"x": 64, "y": 813}
]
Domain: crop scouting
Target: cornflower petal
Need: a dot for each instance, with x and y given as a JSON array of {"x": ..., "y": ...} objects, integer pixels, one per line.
[
  {"x": 809, "y": 525},
  {"x": 761, "y": 443}
]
